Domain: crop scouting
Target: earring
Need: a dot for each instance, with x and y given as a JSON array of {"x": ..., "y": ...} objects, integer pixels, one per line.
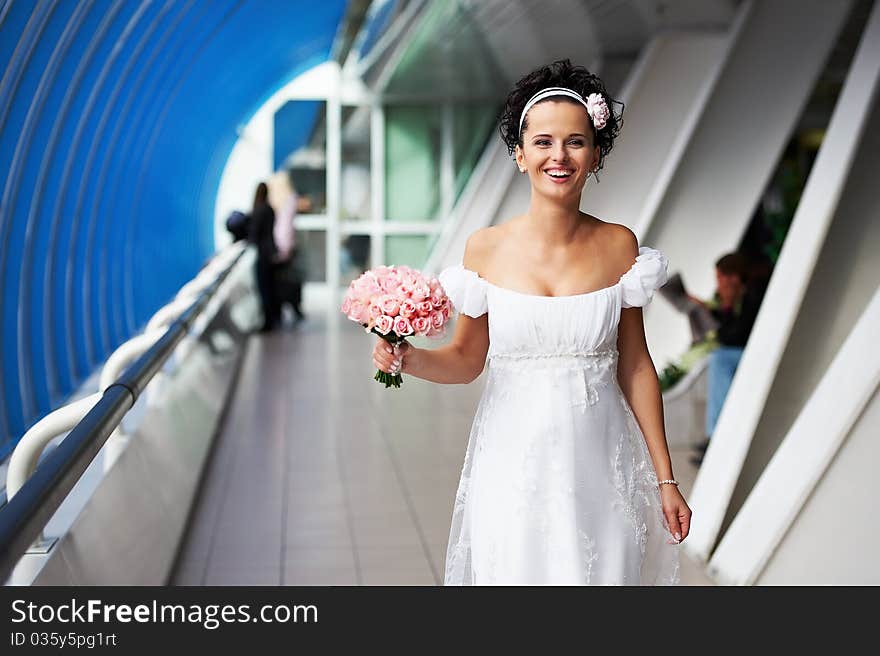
[{"x": 522, "y": 170}]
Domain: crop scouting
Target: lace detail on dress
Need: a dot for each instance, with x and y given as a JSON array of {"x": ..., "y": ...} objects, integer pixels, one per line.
[
  {"x": 630, "y": 495},
  {"x": 593, "y": 370},
  {"x": 639, "y": 498},
  {"x": 647, "y": 274},
  {"x": 590, "y": 556},
  {"x": 605, "y": 353}
]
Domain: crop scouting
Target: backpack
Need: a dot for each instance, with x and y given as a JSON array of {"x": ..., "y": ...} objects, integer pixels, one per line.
[{"x": 237, "y": 224}]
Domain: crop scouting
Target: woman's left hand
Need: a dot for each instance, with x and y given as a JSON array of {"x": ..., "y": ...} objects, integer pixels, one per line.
[{"x": 676, "y": 511}]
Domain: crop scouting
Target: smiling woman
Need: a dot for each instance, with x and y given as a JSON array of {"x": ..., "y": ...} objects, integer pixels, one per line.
[{"x": 567, "y": 477}]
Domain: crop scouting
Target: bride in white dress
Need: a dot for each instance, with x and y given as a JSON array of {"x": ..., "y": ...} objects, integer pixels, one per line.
[{"x": 567, "y": 477}]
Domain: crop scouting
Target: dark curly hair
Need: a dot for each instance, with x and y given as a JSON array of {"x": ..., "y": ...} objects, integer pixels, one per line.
[
  {"x": 561, "y": 73},
  {"x": 735, "y": 263}
]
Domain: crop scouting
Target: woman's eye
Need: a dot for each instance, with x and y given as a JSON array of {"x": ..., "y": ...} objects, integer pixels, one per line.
[
  {"x": 576, "y": 142},
  {"x": 542, "y": 142}
]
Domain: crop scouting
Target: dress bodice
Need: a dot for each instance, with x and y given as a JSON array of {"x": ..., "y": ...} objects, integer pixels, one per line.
[{"x": 531, "y": 326}]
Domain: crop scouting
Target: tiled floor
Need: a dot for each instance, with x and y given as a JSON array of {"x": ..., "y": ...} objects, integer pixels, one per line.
[{"x": 321, "y": 476}]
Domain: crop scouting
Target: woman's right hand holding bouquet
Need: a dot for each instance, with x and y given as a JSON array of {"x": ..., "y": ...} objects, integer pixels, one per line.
[{"x": 391, "y": 359}]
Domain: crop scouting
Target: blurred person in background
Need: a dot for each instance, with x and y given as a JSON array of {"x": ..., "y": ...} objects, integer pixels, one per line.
[
  {"x": 288, "y": 277},
  {"x": 735, "y": 306},
  {"x": 262, "y": 226}
]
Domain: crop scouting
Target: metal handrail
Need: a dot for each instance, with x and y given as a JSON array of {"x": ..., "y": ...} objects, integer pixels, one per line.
[
  {"x": 30, "y": 447},
  {"x": 121, "y": 358},
  {"x": 32, "y": 502}
]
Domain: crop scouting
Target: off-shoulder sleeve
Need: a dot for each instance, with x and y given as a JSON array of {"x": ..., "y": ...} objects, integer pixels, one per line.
[
  {"x": 647, "y": 274},
  {"x": 465, "y": 289}
]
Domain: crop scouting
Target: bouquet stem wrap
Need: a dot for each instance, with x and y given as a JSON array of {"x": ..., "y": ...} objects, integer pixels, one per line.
[{"x": 390, "y": 380}]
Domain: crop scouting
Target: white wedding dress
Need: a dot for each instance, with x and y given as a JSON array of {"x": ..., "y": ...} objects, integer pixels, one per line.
[{"x": 557, "y": 485}]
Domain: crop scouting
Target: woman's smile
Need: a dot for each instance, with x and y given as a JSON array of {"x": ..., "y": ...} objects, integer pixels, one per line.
[{"x": 559, "y": 175}]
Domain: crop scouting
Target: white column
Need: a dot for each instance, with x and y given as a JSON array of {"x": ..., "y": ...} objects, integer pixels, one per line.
[
  {"x": 447, "y": 162},
  {"x": 377, "y": 182},
  {"x": 334, "y": 174}
]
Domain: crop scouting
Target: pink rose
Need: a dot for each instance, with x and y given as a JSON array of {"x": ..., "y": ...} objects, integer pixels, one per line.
[
  {"x": 375, "y": 311},
  {"x": 437, "y": 297},
  {"x": 445, "y": 311},
  {"x": 408, "y": 309},
  {"x": 390, "y": 305},
  {"x": 425, "y": 308},
  {"x": 346, "y": 304},
  {"x": 421, "y": 325},
  {"x": 387, "y": 279},
  {"x": 387, "y": 284},
  {"x": 438, "y": 319},
  {"x": 358, "y": 311},
  {"x": 402, "y": 326},
  {"x": 421, "y": 292},
  {"x": 384, "y": 324},
  {"x": 364, "y": 287},
  {"x": 598, "y": 110}
]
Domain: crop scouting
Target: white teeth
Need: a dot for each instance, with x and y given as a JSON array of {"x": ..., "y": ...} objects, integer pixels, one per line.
[{"x": 556, "y": 173}]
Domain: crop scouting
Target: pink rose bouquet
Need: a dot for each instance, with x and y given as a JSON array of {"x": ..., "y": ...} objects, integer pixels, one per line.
[{"x": 395, "y": 302}]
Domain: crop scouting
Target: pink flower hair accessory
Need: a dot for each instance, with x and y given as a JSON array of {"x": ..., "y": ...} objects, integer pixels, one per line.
[{"x": 598, "y": 110}]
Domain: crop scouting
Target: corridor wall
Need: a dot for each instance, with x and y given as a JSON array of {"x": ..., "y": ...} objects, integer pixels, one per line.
[{"x": 116, "y": 119}]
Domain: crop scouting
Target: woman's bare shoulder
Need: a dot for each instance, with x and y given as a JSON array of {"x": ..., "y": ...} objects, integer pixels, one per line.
[
  {"x": 617, "y": 237},
  {"x": 619, "y": 242}
]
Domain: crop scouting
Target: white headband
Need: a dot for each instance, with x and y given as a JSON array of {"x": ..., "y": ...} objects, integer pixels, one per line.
[{"x": 594, "y": 104}]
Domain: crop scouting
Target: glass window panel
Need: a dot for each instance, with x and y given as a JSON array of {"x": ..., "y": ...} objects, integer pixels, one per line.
[
  {"x": 311, "y": 254},
  {"x": 411, "y": 250},
  {"x": 412, "y": 162},
  {"x": 355, "y": 182},
  {"x": 354, "y": 257},
  {"x": 300, "y": 147},
  {"x": 473, "y": 126}
]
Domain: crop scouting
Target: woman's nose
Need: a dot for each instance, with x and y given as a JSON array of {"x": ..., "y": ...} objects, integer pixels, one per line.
[{"x": 558, "y": 153}]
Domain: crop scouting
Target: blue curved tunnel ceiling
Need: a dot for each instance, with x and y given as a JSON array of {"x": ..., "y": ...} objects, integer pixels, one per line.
[{"x": 116, "y": 119}]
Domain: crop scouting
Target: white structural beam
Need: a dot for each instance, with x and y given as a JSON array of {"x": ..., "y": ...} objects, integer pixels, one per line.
[
  {"x": 842, "y": 540},
  {"x": 776, "y": 331},
  {"x": 664, "y": 96},
  {"x": 334, "y": 199},
  {"x": 758, "y": 96},
  {"x": 377, "y": 183}
]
